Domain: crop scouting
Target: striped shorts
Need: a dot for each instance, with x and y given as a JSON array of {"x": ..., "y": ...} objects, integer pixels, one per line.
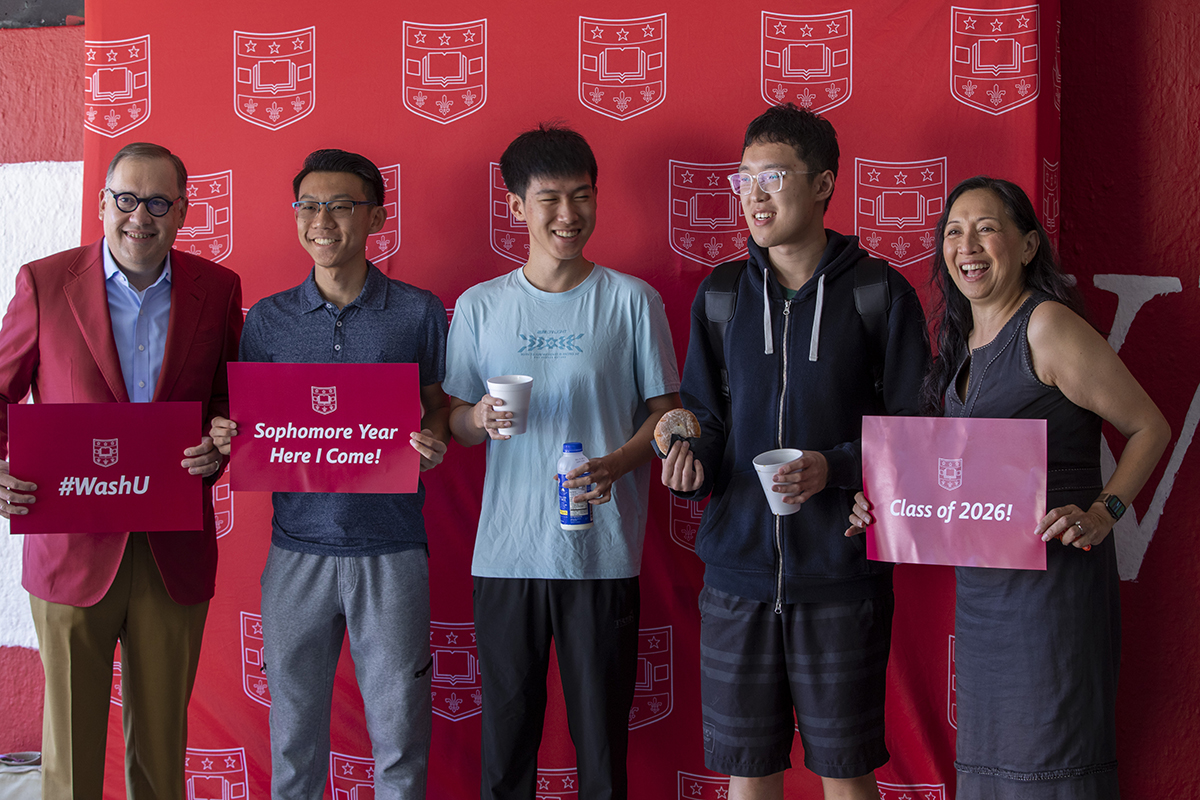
[{"x": 819, "y": 668}]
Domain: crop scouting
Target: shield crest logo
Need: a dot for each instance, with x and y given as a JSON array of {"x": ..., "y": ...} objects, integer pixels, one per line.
[
  {"x": 387, "y": 241},
  {"x": 222, "y": 499},
  {"x": 510, "y": 236},
  {"x": 622, "y": 65},
  {"x": 116, "y": 85},
  {"x": 912, "y": 791},
  {"x": 807, "y": 59},
  {"x": 557, "y": 784},
  {"x": 456, "y": 685},
  {"x": 254, "y": 666},
  {"x": 208, "y": 230},
  {"x": 324, "y": 399},
  {"x": 702, "y": 787},
  {"x": 950, "y": 473},
  {"x": 652, "y": 693},
  {"x": 274, "y": 76},
  {"x": 1050, "y": 199},
  {"x": 114, "y": 695},
  {"x": 685, "y": 521},
  {"x": 215, "y": 774},
  {"x": 353, "y": 777},
  {"x": 706, "y": 222},
  {"x": 104, "y": 452},
  {"x": 897, "y": 208},
  {"x": 994, "y": 57},
  {"x": 445, "y": 69}
]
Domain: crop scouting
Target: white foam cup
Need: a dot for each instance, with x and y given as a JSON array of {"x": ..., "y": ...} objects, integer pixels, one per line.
[
  {"x": 514, "y": 390},
  {"x": 766, "y": 465}
]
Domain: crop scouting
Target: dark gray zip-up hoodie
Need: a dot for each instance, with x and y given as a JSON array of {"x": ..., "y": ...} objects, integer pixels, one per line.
[{"x": 800, "y": 375}]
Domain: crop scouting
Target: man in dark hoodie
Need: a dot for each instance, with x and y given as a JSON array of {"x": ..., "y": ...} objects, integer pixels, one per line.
[{"x": 794, "y": 618}]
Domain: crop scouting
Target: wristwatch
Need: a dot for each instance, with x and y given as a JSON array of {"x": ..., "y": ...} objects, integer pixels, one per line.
[{"x": 1113, "y": 504}]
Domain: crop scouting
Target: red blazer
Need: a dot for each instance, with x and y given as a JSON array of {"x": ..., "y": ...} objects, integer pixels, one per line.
[{"x": 57, "y": 340}]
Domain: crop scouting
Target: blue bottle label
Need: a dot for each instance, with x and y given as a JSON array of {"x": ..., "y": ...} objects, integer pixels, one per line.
[{"x": 571, "y": 509}]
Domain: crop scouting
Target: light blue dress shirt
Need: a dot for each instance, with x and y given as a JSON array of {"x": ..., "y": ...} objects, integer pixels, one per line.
[{"x": 139, "y": 326}]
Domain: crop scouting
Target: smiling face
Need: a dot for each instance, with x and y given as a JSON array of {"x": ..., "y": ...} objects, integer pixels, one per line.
[
  {"x": 138, "y": 240},
  {"x": 560, "y": 214},
  {"x": 985, "y": 251},
  {"x": 335, "y": 243},
  {"x": 793, "y": 216}
]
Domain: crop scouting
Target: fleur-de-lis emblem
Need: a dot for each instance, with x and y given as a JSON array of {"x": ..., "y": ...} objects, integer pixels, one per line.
[
  {"x": 453, "y": 701},
  {"x": 91, "y": 115},
  {"x": 112, "y": 118},
  {"x": 833, "y": 92},
  {"x": 419, "y": 98},
  {"x": 135, "y": 111},
  {"x": 739, "y": 239},
  {"x": 298, "y": 103},
  {"x": 713, "y": 247},
  {"x": 874, "y": 239},
  {"x": 900, "y": 246},
  {"x": 444, "y": 105},
  {"x": 996, "y": 94},
  {"x": 250, "y": 106},
  {"x": 686, "y": 240},
  {"x": 806, "y": 99},
  {"x": 383, "y": 243},
  {"x": 469, "y": 98},
  {"x": 779, "y": 91},
  {"x": 647, "y": 94},
  {"x": 1023, "y": 87},
  {"x": 275, "y": 112},
  {"x": 508, "y": 241},
  {"x": 969, "y": 89},
  {"x": 927, "y": 240},
  {"x": 622, "y": 101},
  {"x": 596, "y": 95}
]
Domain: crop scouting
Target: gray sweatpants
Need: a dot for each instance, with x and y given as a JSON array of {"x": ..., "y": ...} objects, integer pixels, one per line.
[{"x": 309, "y": 603}]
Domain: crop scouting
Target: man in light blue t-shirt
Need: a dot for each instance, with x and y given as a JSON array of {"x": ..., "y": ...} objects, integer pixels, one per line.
[{"x": 597, "y": 345}]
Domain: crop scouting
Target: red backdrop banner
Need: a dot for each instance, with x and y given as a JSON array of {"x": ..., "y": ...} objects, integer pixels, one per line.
[{"x": 923, "y": 94}]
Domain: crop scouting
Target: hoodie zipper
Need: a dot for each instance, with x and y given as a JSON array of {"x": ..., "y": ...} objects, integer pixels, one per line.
[{"x": 787, "y": 305}]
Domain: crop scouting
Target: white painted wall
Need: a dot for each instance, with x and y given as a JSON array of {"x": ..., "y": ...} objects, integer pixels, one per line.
[{"x": 41, "y": 203}]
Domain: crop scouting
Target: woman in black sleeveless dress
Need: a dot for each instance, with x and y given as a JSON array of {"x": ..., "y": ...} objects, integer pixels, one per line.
[{"x": 1036, "y": 653}]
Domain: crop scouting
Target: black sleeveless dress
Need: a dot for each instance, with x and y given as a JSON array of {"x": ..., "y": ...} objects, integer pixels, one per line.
[{"x": 1037, "y": 653}]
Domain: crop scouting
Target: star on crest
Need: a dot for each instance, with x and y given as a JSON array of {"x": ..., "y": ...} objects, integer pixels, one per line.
[
  {"x": 1022, "y": 21},
  {"x": 780, "y": 28},
  {"x": 597, "y": 32},
  {"x": 713, "y": 180},
  {"x": 273, "y": 47},
  {"x": 873, "y": 175},
  {"x": 91, "y": 55},
  {"x": 901, "y": 178},
  {"x": 806, "y": 31},
  {"x": 687, "y": 176},
  {"x": 451, "y": 638},
  {"x": 648, "y": 31},
  {"x": 230, "y": 762},
  {"x": 214, "y": 187},
  {"x": 297, "y": 43},
  {"x": 468, "y": 36},
  {"x": 969, "y": 24},
  {"x": 419, "y": 37},
  {"x": 834, "y": 27},
  {"x": 112, "y": 55},
  {"x": 250, "y": 46},
  {"x": 134, "y": 52},
  {"x": 927, "y": 174},
  {"x": 997, "y": 26},
  {"x": 192, "y": 190},
  {"x": 444, "y": 39},
  {"x": 622, "y": 35}
]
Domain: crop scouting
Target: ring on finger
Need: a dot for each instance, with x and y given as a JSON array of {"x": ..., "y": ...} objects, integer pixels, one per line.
[{"x": 1079, "y": 525}]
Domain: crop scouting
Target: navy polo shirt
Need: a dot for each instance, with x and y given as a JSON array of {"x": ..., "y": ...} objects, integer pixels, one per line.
[{"x": 389, "y": 321}]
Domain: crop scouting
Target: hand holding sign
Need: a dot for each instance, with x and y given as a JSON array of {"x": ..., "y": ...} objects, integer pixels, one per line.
[{"x": 12, "y": 497}]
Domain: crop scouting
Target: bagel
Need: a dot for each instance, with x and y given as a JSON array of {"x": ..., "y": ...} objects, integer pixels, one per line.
[{"x": 676, "y": 424}]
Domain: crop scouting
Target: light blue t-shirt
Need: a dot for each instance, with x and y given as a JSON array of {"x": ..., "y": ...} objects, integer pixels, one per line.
[{"x": 595, "y": 353}]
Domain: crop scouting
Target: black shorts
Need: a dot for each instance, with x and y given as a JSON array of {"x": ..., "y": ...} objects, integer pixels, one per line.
[{"x": 817, "y": 667}]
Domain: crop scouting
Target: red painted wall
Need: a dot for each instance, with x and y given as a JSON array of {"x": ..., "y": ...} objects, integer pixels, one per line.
[{"x": 41, "y": 92}]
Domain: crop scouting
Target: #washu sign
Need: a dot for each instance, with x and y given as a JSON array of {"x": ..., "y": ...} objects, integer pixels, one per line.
[
  {"x": 964, "y": 492},
  {"x": 106, "y": 467},
  {"x": 324, "y": 427}
]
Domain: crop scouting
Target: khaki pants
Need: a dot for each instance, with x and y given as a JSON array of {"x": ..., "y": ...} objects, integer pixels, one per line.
[{"x": 160, "y": 647}]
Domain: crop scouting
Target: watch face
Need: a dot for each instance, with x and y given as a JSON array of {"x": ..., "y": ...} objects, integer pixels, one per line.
[{"x": 1114, "y": 505}]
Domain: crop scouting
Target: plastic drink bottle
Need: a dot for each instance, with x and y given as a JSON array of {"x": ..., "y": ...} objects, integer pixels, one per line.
[{"x": 574, "y": 514}]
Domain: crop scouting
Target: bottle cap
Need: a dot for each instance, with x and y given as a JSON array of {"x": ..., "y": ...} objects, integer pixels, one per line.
[{"x": 573, "y": 447}]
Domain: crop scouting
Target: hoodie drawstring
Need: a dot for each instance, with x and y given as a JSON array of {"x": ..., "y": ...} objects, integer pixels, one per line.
[
  {"x": 768, "y": 337},
  {"x": 816, "y": 329}
]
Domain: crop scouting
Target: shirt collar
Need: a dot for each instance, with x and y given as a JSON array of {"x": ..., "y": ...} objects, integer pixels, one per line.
[
  {"x": 373, "y": 294},
  {"x": 111, "y": 270}
]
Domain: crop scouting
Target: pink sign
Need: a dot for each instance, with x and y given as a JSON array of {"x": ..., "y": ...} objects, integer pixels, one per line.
[
  {"x": 964, "y": 492},
  {"x": 106, "y": 467},
  {"x": 325, "y": 427}
]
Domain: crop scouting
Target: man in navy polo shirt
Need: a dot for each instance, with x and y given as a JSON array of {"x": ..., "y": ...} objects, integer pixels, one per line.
[{"x": 342, "y": 562}]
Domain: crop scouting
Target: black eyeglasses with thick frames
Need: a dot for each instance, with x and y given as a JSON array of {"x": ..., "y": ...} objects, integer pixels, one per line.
[
  {"x": 306, "y": 210},
  {"x": 771, "y": 181},
  {"x": 128, "y": 202}
]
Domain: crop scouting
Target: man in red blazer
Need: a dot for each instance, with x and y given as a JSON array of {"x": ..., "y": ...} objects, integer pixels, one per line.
[{"x": 125, "y": 319}]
